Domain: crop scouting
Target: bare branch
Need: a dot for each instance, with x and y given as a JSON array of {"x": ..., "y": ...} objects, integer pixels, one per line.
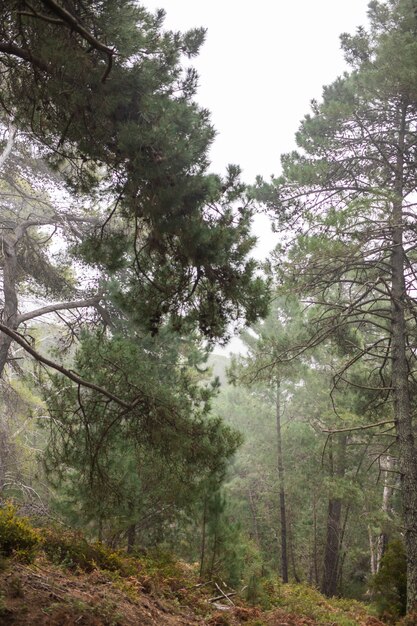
[
  {"x": 364, "y": 427},
  {"x": 58, "y": 306}
]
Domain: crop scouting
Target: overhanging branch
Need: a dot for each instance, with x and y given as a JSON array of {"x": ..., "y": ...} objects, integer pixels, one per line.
[
  {"x": 13, "y": 50},
  {"x": 331, "y": 431},
  {"x": 66, "y": 372}
]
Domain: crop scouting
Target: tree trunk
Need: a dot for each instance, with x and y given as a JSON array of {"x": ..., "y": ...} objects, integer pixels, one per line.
[
  {"x": 334, "y": 529},
  {"x": 203, "y": 538},
  {"x": 400, "y": 383},
  {"x": 372, "y": 552},
  {"x": 131, "y": 538},
  {"x": 281, "y": 485},
  {"x": 315, "y": 551},
  {"x": 9, "y": 248},
  {"x": 382, "y": 540},
  {"x": 253, "y": 511},
  {"x": 100, "y": 529},
  {"x": 10, "y": 295},
  {"x": 331, "y": 554},
  {"x": 291, "y": 548}
]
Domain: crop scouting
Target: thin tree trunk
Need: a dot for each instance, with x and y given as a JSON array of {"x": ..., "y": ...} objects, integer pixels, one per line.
[
  {"x": 372, "y": 552},
  {"x": 10, "y": 309},
  {"x": 214, "y": 554},
  {"x": 281, "y": 485},
  {"x": 8, "y": 245},
  {"x": 291, "y": 549},
  {"x": 131, "y": 538},
  {"x": 315, "y": 555},
  {"x": 100, "y": 529},
  {"x": 253, "y": 510},
  {"x": 203, "y": 538},
  {"x": 400, "y": 384}
]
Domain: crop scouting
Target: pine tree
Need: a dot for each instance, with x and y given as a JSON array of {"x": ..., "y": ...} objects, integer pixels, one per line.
[
  {"x": 348, "y": 196},
  {"x": 104, "y": 91}
]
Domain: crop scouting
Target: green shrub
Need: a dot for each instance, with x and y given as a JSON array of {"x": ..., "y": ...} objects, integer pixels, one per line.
[
  {"x": 307, "y": 602},
  {"x": 390, "y": 583},
  {"x": 16, "y": 535},
  {"x": 71, "y": 550},
  {"x": 160, "y": 564}
]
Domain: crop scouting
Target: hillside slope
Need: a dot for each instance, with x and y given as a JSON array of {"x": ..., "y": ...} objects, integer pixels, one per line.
[
  {"x": 42, "y": 593},
  {"x": 52, "y": 577}
]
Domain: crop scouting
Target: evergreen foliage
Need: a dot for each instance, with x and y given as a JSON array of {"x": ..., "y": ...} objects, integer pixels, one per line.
[
  {"x": 101, "y": 94},
  {"x": 141, "y": 466},
  {"x": 120, "y": 124},
  {"x": 390, "y": 583}
]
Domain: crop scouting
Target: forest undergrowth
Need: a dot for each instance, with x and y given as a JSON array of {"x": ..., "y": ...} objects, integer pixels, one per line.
[{"x": 53, "y": 576}]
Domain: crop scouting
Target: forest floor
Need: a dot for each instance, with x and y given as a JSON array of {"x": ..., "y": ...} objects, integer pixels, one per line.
[
  {"x": 53, "y": 577},
  {"x": 44, "y": 594}
]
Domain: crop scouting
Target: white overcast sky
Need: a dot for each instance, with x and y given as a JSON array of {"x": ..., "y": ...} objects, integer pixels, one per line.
[{"x": 261, "y": 65}]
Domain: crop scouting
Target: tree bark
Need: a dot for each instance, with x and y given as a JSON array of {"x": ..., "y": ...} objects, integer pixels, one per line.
[
  {"x": 10, "y": 295},
  {"x": 400, "y": 372},
  {"x": 382, "y": 540},
  {"x": 281, "y": 486}
]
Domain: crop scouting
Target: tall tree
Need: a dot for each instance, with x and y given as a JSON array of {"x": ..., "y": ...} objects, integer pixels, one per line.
[{"x": 348, "y": 197}]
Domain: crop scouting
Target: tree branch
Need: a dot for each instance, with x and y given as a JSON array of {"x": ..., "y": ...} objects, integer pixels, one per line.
[
  {"x": 331, "y": 431},
  {"x": 58, "y": 306},
  {"x": 12, "y": 49},
  {"x": 66, "y": 372},
  {"x": 9, "y": 145},
  {"x": 74, "y": 24},
  {"x": 45, "y": 18}
]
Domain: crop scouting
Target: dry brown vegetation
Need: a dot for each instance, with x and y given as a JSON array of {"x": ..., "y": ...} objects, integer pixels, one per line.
[
  {"x": 55, "y": 577},
  {"x": 42, "y": 593}
]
